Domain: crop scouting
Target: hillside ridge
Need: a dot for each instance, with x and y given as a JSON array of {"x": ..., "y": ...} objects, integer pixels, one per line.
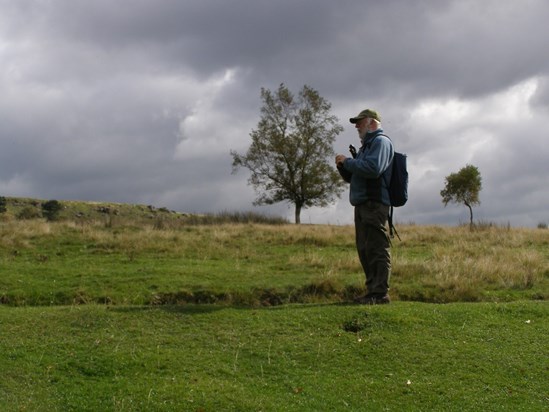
[{"x": 28, "y": 208}]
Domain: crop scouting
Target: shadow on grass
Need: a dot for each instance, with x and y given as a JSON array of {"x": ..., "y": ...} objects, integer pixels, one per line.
[
  {"x": 271, "y": 303},
  {"x": 190, "y": 309},
  {"x": 325, "y": 292}
]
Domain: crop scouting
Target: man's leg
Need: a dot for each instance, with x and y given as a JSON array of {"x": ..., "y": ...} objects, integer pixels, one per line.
[{"x": 373, "y": 246}]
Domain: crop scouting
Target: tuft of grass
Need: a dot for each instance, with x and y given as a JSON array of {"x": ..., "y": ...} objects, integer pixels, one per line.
[{"x": 457, "y": 264}]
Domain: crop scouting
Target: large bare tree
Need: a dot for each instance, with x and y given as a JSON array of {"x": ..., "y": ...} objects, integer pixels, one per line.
[{"x": 291, "y": 150}]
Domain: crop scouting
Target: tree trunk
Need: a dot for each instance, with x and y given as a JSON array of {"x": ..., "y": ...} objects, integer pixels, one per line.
[
  {"x": 297, "y": 214},
  {"x": 470, "y": 214}
]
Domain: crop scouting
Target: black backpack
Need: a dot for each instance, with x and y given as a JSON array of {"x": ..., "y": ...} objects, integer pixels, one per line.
[{"x": 398, "y": 187}]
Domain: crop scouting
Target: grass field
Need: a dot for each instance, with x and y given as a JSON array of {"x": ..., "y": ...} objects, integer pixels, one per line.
[
  {"x": 127, "y": 314},
  {"x": 65, "y": 263},
  {"x": 317, "y": 357}
]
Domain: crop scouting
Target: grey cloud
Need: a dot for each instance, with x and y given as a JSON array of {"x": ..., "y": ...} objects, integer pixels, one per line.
[
  {"x": 98, "y": 94},
  {"x": 541, "y": 96},
  {"x": 396, "y": 47}
]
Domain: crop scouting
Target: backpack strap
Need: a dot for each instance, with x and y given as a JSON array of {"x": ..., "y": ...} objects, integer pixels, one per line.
[
  {"x": 392, "y": 228},
  {"x": 391, "y": 164}
]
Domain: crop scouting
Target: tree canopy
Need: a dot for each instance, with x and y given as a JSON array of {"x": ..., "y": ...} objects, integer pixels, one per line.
[
  {"x": 290, "y": 148},
  {"x": 463, "y": 187}
]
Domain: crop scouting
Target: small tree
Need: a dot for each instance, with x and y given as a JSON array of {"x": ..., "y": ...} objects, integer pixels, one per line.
[
  {"x": 51, "y": 209},
  {"x": 463, "y": 187},
  {"x": 290, "y": 150},
  {"x": 3, "y": 205}
]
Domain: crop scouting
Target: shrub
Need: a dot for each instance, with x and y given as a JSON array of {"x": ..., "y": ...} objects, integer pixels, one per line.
[
  {"x": 3, "y": 204},
  {"x": 29, "y": 212},
  {"x": 51, "y": 210}
]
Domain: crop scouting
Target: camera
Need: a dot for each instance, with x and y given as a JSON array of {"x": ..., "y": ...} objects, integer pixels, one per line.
[{"x": 352, "y": 149}]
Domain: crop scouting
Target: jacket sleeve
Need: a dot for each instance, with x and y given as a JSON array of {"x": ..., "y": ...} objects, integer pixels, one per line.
[{"x": 372, "y": 163}]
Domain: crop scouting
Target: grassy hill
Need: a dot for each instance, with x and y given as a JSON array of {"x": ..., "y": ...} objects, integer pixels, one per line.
[
  {"x": 124, "y": 213},
  {"x": 131, "y": 308},
  {"x": 28, "y": 208},
  {"x": 132, "y": 254}
]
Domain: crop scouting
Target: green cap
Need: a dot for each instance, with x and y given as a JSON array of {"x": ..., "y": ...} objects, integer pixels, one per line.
[{"x": 372, "y": 114}]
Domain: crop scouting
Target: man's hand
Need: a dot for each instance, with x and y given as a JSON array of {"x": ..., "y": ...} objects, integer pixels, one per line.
[{"x": 340, "y": 159}]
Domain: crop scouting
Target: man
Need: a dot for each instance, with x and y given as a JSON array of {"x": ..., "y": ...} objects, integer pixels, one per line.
[{"x": 369, "y": 174}]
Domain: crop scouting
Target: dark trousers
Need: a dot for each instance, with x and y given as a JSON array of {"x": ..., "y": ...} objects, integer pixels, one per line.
[{"x": 373, "y": 245}]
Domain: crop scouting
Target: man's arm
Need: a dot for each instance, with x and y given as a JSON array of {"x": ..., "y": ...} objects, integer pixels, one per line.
[
  {"x": 345, "y": 174},
  {"x": 375, "y": 162}
]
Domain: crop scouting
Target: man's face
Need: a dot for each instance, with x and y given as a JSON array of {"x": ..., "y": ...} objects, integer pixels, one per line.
[{"x": 362, "y": 126}]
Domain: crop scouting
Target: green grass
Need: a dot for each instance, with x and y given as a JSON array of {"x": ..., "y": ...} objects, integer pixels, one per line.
[
  {"x": 161, "y": 313},
  {"x": 63, "y": 263},
  {"x": 404, "y": 356}
]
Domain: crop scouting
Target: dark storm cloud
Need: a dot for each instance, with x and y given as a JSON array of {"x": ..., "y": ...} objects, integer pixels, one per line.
[{"x": 141, "y": 101}]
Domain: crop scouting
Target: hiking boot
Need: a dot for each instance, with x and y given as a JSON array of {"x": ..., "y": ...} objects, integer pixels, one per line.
[
  {"x": 382, "y": 300},
  {"x": 373, "y": 299},
  {"x": 363, "y": 300}
]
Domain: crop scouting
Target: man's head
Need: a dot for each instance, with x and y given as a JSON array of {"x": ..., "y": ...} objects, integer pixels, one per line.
[{"x": 366, "y": 121}]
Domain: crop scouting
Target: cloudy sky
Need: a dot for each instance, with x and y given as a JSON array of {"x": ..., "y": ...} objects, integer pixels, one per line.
[{"x": 141, "y": 101}]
